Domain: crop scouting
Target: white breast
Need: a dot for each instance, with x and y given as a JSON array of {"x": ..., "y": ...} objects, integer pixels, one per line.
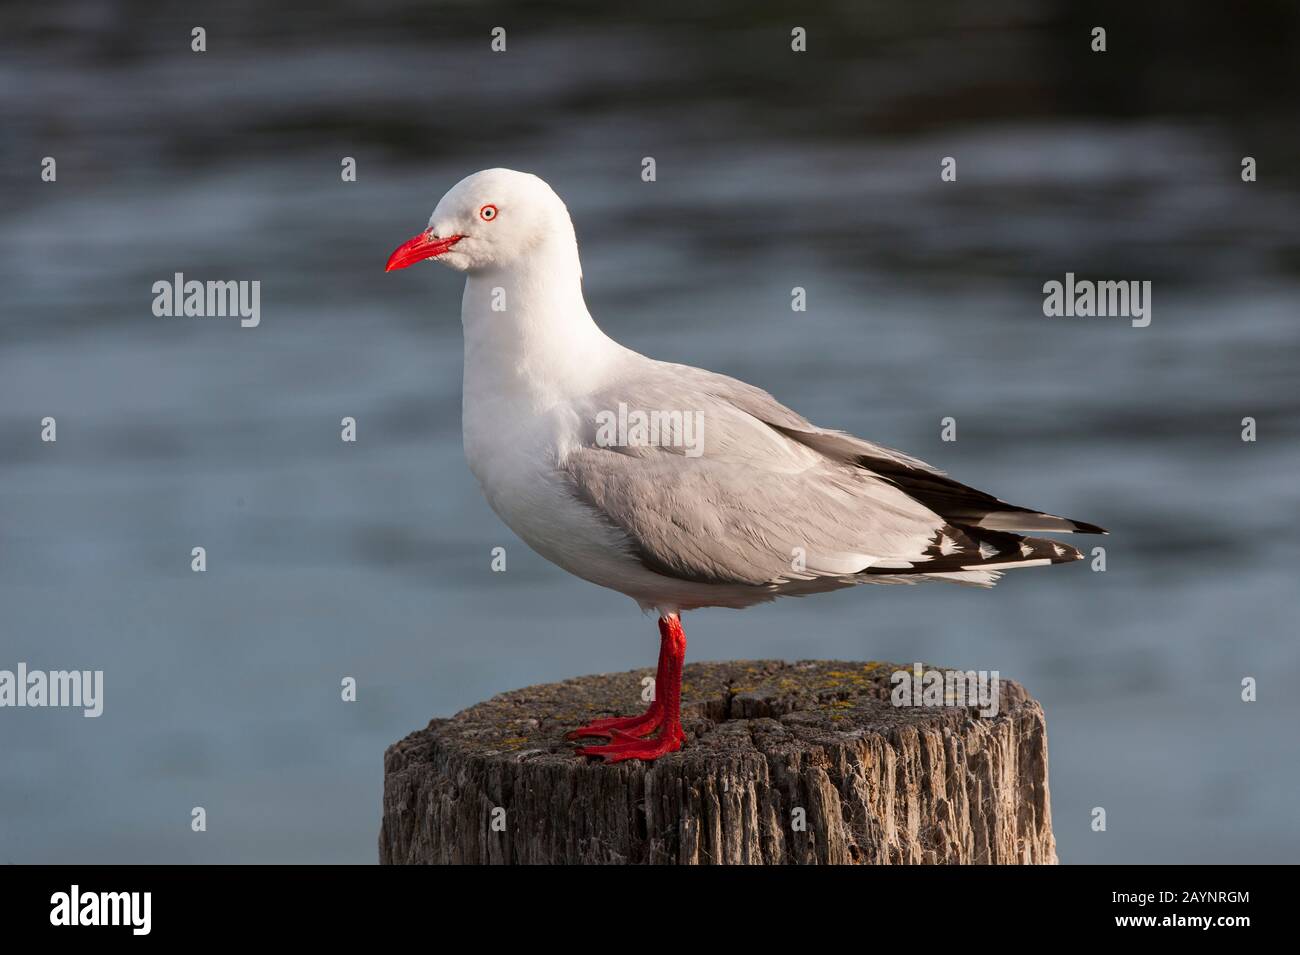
[{"x": 523, "y": 372}]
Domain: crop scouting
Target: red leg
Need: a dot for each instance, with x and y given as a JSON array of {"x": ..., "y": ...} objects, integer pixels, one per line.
[
  {"x": 633, "y": 725},
  {"x": 668, "y": 736}
]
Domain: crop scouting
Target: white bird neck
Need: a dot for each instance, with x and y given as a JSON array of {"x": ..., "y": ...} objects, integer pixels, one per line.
[{"x": 528, "y": 334}]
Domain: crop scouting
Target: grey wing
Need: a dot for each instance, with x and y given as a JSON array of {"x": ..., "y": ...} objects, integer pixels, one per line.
[
  {"x": 954, "y": 501},
  {"x": 724, "y": 520},
  {"x": 771, "y": 500}
]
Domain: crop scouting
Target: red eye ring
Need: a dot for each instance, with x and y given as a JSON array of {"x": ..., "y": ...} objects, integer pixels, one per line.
[{"x": 488, "y": 212}]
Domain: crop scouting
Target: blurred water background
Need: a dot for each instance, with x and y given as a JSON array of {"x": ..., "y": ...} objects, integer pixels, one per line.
[{"x": 774, "y": 170}]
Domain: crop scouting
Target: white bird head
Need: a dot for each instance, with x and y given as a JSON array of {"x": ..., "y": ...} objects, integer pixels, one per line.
[{"x": 491, "y": 219}]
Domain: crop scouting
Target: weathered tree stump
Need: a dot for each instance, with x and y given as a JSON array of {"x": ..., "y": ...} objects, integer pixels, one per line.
[{"x": 876, "y": 783}]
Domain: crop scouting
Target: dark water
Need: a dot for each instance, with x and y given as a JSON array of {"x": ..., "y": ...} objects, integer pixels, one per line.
[{"x": 371, "y": 560}]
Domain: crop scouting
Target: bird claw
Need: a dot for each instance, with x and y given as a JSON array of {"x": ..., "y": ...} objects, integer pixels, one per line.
[
  {"x": 618, "y": 725},
  {"x": 624, "y": 736},
  {"x": 669, "y": 740}
]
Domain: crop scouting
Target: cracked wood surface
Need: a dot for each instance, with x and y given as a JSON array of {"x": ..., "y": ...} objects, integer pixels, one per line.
[{"x": 769, "y": 744}]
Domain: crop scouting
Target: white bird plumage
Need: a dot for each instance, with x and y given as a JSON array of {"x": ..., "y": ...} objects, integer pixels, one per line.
[{"x": 773, "y": 505}]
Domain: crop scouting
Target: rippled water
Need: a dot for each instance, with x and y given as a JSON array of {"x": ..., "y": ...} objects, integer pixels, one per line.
[{"x": 329, "y": 560}]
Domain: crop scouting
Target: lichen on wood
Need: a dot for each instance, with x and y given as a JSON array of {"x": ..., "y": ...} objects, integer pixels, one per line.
[{"x": 804, "y": 762}]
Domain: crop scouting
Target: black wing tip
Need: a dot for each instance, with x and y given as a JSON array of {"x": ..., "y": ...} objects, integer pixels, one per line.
[
  {"x": 1083, "y": 527},
  {"x": 1009, "y": 551},
  {"x": 961, "y": 504}
]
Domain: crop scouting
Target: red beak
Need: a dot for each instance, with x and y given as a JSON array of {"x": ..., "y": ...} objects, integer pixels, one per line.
[{"x": 423, "y": 246}]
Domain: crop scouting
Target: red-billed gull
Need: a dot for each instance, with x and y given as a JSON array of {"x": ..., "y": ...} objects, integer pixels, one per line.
[{"x": 676, "y": 486}]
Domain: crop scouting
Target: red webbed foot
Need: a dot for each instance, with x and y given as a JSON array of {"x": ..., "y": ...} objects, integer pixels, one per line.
[
  {"x": 669, "y": 740},
  {"x": 663, "y": 719},
  {"x": 633, "y": 726}
]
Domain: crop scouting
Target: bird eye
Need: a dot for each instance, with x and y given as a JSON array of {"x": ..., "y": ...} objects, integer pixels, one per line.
[{"x": 488, "y": 213}]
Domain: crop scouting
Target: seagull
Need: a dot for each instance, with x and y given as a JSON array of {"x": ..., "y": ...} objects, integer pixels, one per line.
[{"x": 679, "y": 487}]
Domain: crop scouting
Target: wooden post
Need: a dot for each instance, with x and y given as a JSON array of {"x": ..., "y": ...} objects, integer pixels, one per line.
[{"x": 784, "y": 763}]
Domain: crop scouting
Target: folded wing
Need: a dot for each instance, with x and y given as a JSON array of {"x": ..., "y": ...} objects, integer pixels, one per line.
[{"x": 762, "y": 497}]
